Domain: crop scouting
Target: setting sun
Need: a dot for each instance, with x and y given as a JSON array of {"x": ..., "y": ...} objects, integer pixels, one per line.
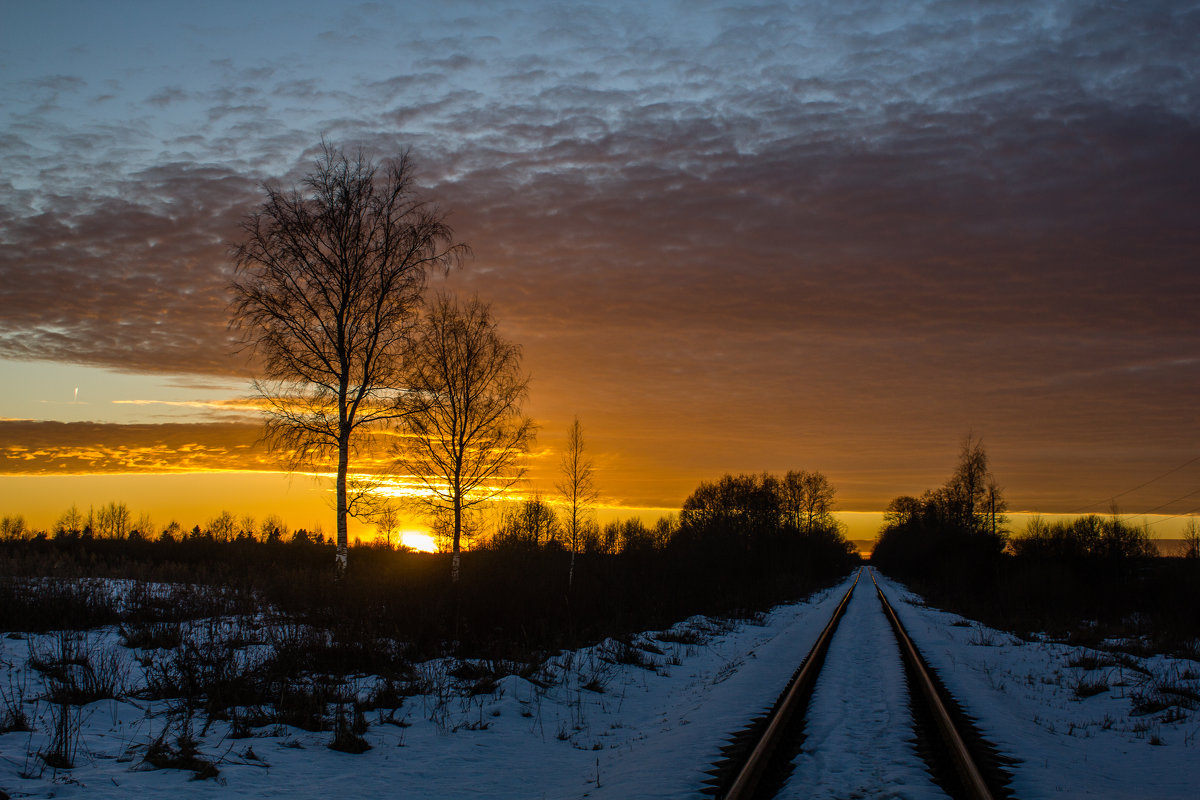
[{"x": 419, "y": 540}]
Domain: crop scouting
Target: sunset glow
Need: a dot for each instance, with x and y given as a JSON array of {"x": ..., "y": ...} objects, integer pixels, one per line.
[
  {"x": 419, "y": 540},
  {"x": 741, "y": 238}
]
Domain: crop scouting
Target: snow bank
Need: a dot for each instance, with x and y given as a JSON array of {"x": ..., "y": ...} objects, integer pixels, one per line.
[{"x": 1082, "y": 722}]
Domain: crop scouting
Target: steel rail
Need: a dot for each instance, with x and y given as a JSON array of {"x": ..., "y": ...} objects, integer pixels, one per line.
[
  {"x": 960, "y": 756},
  {"x": 751, "y": 772}
]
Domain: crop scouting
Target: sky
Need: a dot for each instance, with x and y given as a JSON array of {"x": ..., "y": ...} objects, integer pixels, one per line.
[{"x": 729, "y": 236}]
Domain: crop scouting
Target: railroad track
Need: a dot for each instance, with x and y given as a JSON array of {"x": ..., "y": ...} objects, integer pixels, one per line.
[{"x": 769, "y": 759}]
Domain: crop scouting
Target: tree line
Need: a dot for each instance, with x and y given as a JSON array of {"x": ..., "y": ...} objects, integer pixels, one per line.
[
  {"x": 954, "y": 546},
  {"x": 740, "y": 512},
  {"x": 529, "y": 586},
  {"x": 114, "y": 521},
  {"x": 964, "y": 524}
]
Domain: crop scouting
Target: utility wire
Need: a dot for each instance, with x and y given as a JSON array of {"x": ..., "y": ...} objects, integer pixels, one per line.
[
  {"x": 1139, "y": 486},
  {"x": 1170, "y": 502},
  {"x": 1187, "y": 513}
]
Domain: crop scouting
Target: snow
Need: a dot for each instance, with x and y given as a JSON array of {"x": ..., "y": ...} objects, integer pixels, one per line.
[
  {"x": 652, "y": 731},
  {"x": 1023, "y": 696},
  {"x": 859, "y": 704},
  {"x": 589, "y": 725}
]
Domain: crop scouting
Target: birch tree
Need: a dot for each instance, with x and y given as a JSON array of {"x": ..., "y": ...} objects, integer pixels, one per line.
[
  {"x": 328, "y": 279},
  {"x": 967, "y": 488},
  {"x": 578, "y": 488},
  {"x": 466, "y": 431}
]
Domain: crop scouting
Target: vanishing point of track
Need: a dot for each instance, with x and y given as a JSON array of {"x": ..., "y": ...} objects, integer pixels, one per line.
[{"x": 965, "y": 764}]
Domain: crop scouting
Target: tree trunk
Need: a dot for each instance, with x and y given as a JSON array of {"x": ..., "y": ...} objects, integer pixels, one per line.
[
  {"x": 339, "y": 569},
  {"x": 454, "y": 563}
]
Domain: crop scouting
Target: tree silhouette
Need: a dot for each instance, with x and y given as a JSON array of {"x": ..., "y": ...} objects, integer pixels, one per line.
[
  {"x": 329, "y": 277},
  {"x": 967, "y": 488},
  {"x": 578, "y": 488},
  {"x": 466, "y": 430},
  {"x": 807, "y": 500},
  {"x": 1191, "y": 539},
  {"x": 387, "y": 523}
]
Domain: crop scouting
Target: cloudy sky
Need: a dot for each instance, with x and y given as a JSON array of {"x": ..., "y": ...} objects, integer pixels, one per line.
[{"x": 730, "y": 237}]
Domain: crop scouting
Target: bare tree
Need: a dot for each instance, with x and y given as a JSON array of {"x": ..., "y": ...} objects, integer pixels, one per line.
[
  {"x": 471, "y": 523},
  {"x": 467, "y": 431},
  {"x": 143, "y": 526},
  {"x": 532, "y": 524},
  {"x": 246, "y": 527},
  {"x": 12, "y": 527},
  {"x": 113, "y": 521},
  {"x": 806, "y": 500},
  {"x": 223, "y": 527},
  {"x": 330, "y": 275},
  {"x": 967, "y": 489},
  {"x": 70, "y": 523},
  {"x": 387, "y": 522},
  {"x": 578, "y": 488},
  {"x": 273, "y": 529},
  {"x": 1191, "y": 539}
]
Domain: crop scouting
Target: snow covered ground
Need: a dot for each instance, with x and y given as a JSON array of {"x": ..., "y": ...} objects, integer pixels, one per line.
[
  {"x": 1043, "y": 703},
  {"x": 638, "y": 731},
  {"x": 589, "y": 725},
  {"x": 859, "y": 702}
]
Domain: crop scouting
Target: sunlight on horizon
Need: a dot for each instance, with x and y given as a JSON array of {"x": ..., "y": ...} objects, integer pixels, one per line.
[{"x": 421, "y": 541}]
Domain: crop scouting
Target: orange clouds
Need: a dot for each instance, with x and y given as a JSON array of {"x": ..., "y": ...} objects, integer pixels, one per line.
[
  {"x": 30, "y": 447},
  {"x": 35, "y": 447}
]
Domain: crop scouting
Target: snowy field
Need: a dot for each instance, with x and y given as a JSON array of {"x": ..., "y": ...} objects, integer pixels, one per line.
[
  {"x": 1082, "y": 722},
  {"x": 590, "y": 723}
]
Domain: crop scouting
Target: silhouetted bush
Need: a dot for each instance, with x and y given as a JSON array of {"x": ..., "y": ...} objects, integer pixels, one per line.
[
  {"x": 1089, "y": 537},
  {"x": 1092, "y": 580},
  {"x": 512, "y": 601},
  {"x": 740, "y": 545}
]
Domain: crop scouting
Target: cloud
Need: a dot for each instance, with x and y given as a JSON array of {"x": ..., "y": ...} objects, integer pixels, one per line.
[
  {"x": 61, "y": 83},
  {"x": 696, "y": 213},
  {"x": 452, "y": 63},
  {"x": 248, "y": 405},
  {"x": 71, "y": 448},
  {"x": 167, "y": 96},
  {"x": 135, "y": 281}
]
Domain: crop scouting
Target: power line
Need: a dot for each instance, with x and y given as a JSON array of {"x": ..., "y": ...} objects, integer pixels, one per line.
[
  {"x": 1171, "y": 502},
  {"x": 1187, "y": 513},
  {"x": 1171, "y": 471}
]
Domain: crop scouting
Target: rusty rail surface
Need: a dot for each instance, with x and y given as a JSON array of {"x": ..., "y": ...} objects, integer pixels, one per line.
[
  {"x": 964, "y": 764},
  {"x": 799, "y": 690},
  {"x": 796, "y": 693}
]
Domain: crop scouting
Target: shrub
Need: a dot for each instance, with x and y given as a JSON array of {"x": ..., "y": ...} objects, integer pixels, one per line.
[{"x": 347, "y": 736}]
